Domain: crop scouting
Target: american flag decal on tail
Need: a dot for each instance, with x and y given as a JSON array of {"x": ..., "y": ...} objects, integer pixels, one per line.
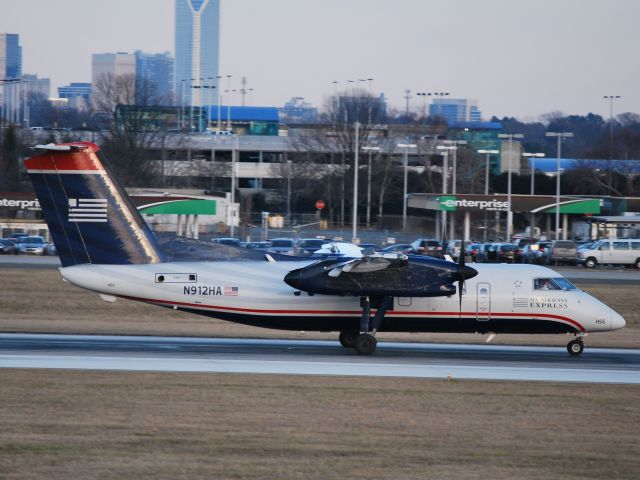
[
  {"x": 231, "y": 291},
  {"x": 88, "y": 210}
]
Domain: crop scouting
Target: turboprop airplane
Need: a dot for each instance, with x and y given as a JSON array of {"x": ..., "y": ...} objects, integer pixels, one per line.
[{"x": 106, "y": 247}]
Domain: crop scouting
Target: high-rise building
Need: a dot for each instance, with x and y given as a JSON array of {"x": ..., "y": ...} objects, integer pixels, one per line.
[
  {"x": 455, "y": 110},
  {"x": 155, "y": 70},
  {"x": 197, "y": 49},
  {"x": 77, "y": 93},
  {"x": 10, "y": 71},
  {"x": 37, "y": 85},
  {"x": 107, "y": 67}
]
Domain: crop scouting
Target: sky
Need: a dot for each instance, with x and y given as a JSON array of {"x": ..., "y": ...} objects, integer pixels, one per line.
[{"x": 521, "y": 58}]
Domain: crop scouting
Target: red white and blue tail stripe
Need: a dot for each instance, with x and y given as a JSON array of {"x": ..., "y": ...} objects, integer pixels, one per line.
[{"x": 89, "y": 214}]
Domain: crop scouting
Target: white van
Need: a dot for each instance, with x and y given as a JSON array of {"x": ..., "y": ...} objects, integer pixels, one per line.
[{"x": 614, "y": 251}]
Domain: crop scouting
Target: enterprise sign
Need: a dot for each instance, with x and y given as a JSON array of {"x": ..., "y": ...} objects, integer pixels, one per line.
[
  {"x": 21, "y": 204},
  {"x": 450, "y": 204}
]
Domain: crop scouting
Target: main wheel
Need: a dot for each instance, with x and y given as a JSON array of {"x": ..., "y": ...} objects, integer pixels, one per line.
[
  {"x": 366, "y": 344},
  {"x": 575, "y": 347},
  {"x": 348, "y": 339}
]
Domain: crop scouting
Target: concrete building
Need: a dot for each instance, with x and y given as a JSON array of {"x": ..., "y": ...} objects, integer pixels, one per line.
[
  {"x": 455, "y": 110},
  {"x": 156, "y": 71},
  {"x": 105, "y": 65},
  {"x": 197, "y": 49}
]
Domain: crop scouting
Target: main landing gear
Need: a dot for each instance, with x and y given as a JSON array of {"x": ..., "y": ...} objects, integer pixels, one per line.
[
  {"x": 365, "y": 341},
  {"x": 575, "y": 347}
]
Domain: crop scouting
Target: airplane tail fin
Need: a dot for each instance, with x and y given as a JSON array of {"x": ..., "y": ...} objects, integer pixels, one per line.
[{"x": 90, "y": 216}]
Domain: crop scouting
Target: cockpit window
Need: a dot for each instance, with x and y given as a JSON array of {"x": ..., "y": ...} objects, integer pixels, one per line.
[
  {"x": 564, "y": 284},
  {"x": 559, "y": 283},
  {"x": 544, "y": 284}
]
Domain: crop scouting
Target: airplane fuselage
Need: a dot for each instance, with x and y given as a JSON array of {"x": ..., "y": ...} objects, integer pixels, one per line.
[{"x": 500, "y": 299}]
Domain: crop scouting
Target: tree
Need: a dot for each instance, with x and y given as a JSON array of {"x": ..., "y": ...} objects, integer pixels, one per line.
[
  {"x": 128, "y": 139},
  {"x": 9, "y": 160}
]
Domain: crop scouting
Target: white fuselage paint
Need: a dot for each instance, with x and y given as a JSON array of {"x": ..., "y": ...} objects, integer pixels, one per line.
[{"x": 257, "y": 289}]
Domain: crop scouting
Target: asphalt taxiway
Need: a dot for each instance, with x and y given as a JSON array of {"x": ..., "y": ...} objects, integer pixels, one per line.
[{"x": 308, "y": 357}]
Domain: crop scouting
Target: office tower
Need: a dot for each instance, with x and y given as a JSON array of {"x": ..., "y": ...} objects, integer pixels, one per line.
[
  {"x": 35, "y": 85},
  {"x": 78, "y": 94},
  {"x": 197, "y": 50},
  {"x": 155, "y": 70},
  {"x": 107, "y": 67},
  {"x": 455, "y": 110},
  {"x": 10, "y": 72}
]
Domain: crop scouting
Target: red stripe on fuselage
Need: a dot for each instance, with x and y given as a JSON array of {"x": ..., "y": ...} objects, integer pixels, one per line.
[{"x": 549, "y": 316}]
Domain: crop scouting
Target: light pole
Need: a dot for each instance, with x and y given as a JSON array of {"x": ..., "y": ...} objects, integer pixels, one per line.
[
  {"x": 611, "y": 98},
  {"x": 406, "y": 147},
  {"x": 488, "y": 153},
  {"x": 509, "y": 137},
  {"x": 370, "y": 150},
  {"x": 533, "y": 157},
  {"x": 559, "y": 136},
  {"x": 486, "y": 167},
  {"x": 453, "y": 146},
  {"x": 288, "y": 192},
  {"x": 354, "y": 220}
]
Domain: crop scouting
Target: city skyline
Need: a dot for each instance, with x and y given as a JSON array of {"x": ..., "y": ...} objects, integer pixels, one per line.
[{"x": 520, "y": 60}]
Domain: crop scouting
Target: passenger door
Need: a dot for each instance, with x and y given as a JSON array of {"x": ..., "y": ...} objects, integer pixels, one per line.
[
  {"x": 620, "y": 252},
  {"x": 483, "y": 302}
]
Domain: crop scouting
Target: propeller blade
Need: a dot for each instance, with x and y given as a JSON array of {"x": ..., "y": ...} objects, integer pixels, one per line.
[
  {"x": 335, "y": 272},
  {"x": 462, "y": 277}
]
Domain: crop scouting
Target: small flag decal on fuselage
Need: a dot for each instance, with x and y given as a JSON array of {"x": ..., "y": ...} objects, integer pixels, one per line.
[
  {"x": 231, "y": 290},
  {"x": 88, "y": 210}
]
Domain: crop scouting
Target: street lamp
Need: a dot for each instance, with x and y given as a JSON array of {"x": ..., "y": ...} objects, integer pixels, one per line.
[
  {"x": 533, "y": 157},
  {"x": 453, "y": 146},
  {"x": 406, "y": 147},
  {"x": 486, "y": 170},
  {"x": 559, "y": 136},
  {"x": 486, "y": 181},
  {"x": 369, "y": 149},
  {"x": 611, "y": 98},
  {"x": 509, "y": 137},
  {"x": 354, "y": 221}
]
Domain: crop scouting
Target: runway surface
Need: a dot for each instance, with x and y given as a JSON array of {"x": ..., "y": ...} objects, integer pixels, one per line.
[{"x": 307, "y": 357}]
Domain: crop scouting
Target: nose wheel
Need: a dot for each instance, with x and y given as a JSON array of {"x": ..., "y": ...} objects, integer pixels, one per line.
[{"x": 575, "y": 347}]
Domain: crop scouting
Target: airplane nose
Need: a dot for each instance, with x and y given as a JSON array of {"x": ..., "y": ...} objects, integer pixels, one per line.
[
  {"x": 617, "y": 322},
  {"x": 294, "y": 279}
]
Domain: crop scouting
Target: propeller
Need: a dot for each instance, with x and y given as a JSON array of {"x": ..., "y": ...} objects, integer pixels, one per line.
[{"x": 463, "y": 273}]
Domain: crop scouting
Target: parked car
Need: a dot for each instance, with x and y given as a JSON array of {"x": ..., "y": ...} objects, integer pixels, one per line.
[
  {"x": 423, "y": 246},
  {"x": 31, "y": 245},
  {"x": 7, "y": 246},
  {"x": 487, "y": 253},
  {"x": 521, "y": 243},
  {"x": 282, "y": 245},
  {"x": 541, "y": 253},
  {"x": 453, "y": 248},
  {"x": 261, "y": 246},
  {"x": 230, "y": 241},
  {"x": 505, "y": 252},
  {"x": 563, "y": 252},
  {"x": 397, "y": 248},
  {"x": 616, "y": 251},
  {"x": 369, "y": 247},
  {"x": 307, "y": 246},
  {"x": 472, "y": 251},
  {"x": 50, "y": 249}
]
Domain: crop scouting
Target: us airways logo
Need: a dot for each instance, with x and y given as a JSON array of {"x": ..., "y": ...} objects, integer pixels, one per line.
[{"x": 88, "y": 210}]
